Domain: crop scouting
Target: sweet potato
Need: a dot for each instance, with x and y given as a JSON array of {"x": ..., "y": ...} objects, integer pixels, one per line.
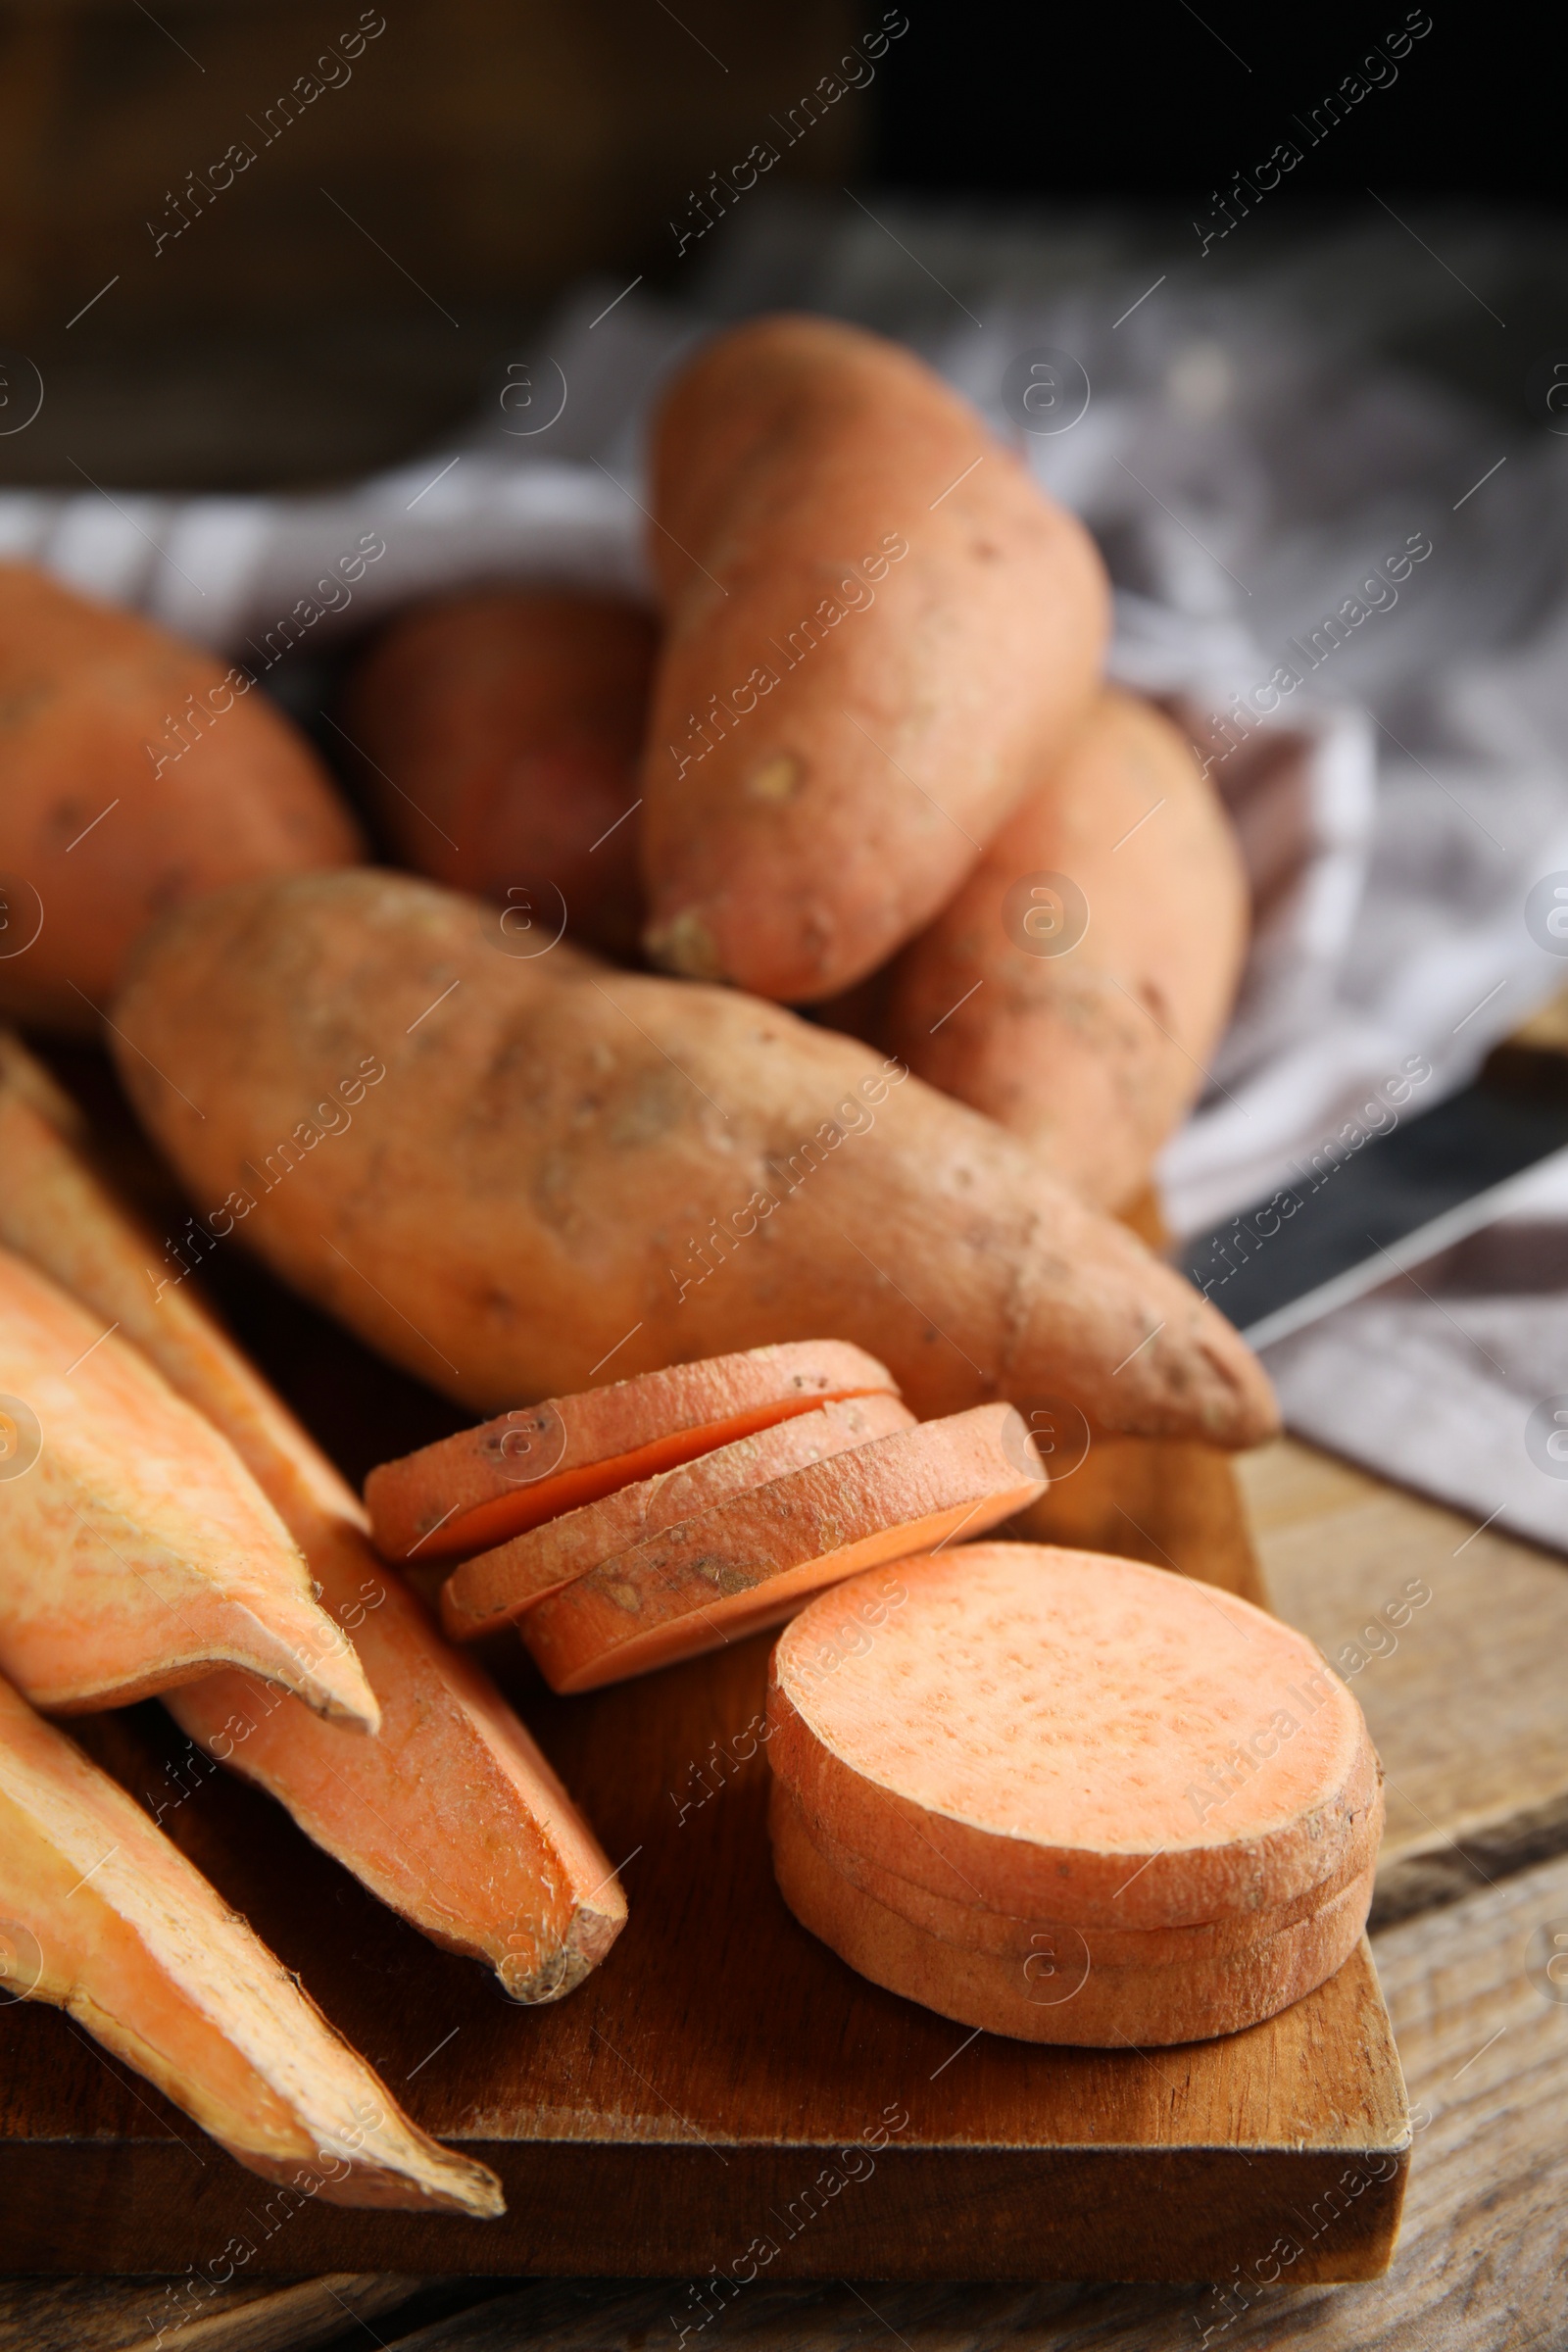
[
  {"x": 1090, "y": 1043},
  {"x": 502, "y": 733},
  {"x": 114, "y": 1926},
  {"x": 450, "y": 1814},
  {"x": 1062, "y": 1986},
  {"x": 879, "y": 632},
  {"x": 539, "y": 1460},
  {"x": 496, "y": 1586},
  {"x": 566, "y": 1169},
  {"x": 752, "y": 1559},
  {"x": 1070, "y": 1737},
  {"x": 139, "y": 1552},
  {"x": 137, "y": 772}
]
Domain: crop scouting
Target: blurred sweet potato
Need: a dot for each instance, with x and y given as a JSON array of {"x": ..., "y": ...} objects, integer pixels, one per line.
[
  {"x": 135, "y": 773},
  {"x": 502, "y": 733},
  {"x": 1077, "y": 985}
]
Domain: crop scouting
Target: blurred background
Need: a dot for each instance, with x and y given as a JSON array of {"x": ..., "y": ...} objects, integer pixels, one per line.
[{"x": 341, "y": 298}]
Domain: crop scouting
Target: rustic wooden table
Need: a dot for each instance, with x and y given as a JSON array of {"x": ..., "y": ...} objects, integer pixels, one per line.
[{"x": 1468, "y": 1701}]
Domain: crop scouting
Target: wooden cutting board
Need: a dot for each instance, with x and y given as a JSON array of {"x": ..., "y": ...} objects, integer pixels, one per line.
[{"x": 724, "y": 2095}]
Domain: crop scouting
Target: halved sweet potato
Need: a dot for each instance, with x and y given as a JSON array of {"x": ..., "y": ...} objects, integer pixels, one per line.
[
  {"x": 753, "y": 1560},
  {"x": 1075, "y": 1737},
  {"x": 131, "y": 1940},
  {"x": 497, "y": 1586},
  {"x": 1063, "y": 1988},
  {"x": 450, "y": 1814},
  {"x": 524, "y": 1467},
  {"x": 139, "y": 1551}
]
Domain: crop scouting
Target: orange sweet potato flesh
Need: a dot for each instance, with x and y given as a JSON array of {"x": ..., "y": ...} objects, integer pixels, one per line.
[
  {"x": 494, "y": 1587},
  {"x": 113, "y": 1924},
  {"x": 1092, "y": 1054},
  {"x": 568, "y": 1170},
  {"x": 503, "y": 732},
  {"x": 99, "y": 833},
  {"x": 451, "y": 1814},
  {"x": 879, "y": 632},
  {"x": 1078, "y": 1738},
  {"x": 539, "y": 1460},
  {"x": 752, "y": 1559},
  {"x": 958, "y": 1918},
  {"x": 1063, "y": 1987},
  {"x": 139, "y": 1552}
]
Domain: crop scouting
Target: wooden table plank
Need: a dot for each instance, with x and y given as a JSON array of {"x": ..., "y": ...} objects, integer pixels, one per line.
[{"x": 1467, "y": 1697}]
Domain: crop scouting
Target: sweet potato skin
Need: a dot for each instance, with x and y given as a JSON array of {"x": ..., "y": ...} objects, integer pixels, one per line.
[
  {"x": 566, "y": 1167},
  {"x": 503, "y": 732},
  {"x": 878, "y": 632},
  {"x": 105, "y": 819},
  {"x": 1092, "y": 1054}
]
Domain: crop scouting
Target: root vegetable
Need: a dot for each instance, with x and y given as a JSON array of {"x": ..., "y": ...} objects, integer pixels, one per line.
[
  {"x": 494, "y": 1587},
  {"x": 502, "y": 733},
  {"x": 531, "y": 1464},
  {"x": 751, "y": 1560},
  {"x": 879, "y": 632},
  {"x": 1093, "y": 1046},
  {"x": 450, "y": 1814},
  {"x": 139, "y": 1550},
  {"x": 1072, "y": 1736},
  {"x": 135, "y": 773},
  {"x": 560, "y": 1166},
  {"x": 131, "y": 1942}
]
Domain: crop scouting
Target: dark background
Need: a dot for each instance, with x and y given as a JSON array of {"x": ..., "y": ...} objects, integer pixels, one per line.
[{"x": 343, "y": 301}]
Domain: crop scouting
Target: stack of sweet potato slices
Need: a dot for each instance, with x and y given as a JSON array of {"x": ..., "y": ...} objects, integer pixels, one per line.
[
  {"x": 666, "y": 1515},
  {"x": 1068, "y": 1797}
]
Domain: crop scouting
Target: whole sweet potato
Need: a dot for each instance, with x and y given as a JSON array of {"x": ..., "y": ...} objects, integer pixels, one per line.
[
  {"x": 501, "y": 734},
  {"x": 879, "y": 632},
  {"x": 135, "y": 771},
  {"x": 1077, "y": 985},
  {"x": 516, "y": 1176}
]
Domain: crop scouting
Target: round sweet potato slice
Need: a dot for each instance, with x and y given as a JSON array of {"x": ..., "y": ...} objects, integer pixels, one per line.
[
  {"x": 498, "y": 1586},
  {"x": 753, "y": 1560},
  {"x": 1063, "y": 1990},
  {"x": 1076, "y": 1738},
  {"x": 486, "y": 1484}
]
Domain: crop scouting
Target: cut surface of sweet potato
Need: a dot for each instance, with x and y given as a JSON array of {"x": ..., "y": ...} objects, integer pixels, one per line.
[
  {"x": 1063, "y": 1988},
  {"x": 750, "y": 1561},
  {"x": 113, "y": 1924},
  {"x": 139, "y": 1550},
  {"x": 524, "y": 1467},
  {"x": 1077, "y": 1738},
  {"x": 497, "y": 1586},
  {"x": 451, "y": 1814}
]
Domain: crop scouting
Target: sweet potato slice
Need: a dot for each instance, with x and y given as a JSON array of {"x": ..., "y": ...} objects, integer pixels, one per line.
[
  {"x": 1092, "y": 1048},
  {"x": 496, "y": 1586},
  {"x": 562, "y": 1166},
  {"x": 114, "y": 1926},
  {"x": 502, "y": 732},
  {"x": 451, "y": 1814},
  {"x": 1063, "y": 1988},
  {"x": 878, "y": 630},
  {"x": 1071, "y": 1736},
  {"x": 751, "y": 1560},
  {"x": 139, "y": 1550},
  {"x": 960, "y": 1919},
  {"x": 524, "y": 1467}
]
